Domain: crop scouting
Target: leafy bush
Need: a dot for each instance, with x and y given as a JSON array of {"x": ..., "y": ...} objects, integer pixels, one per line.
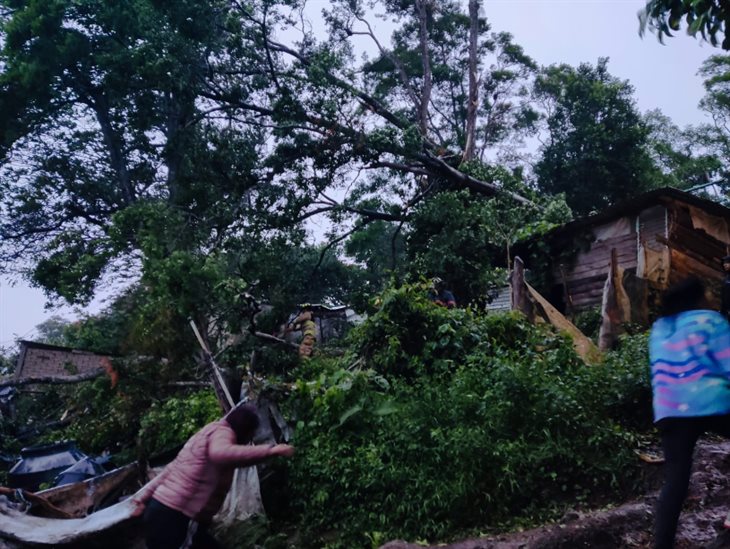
[
  {"x": 170, "y": 423},
  {"x": 114, "y": 418},
  {"x": 589, "y": 322},
  {"x": 461, "y": 420}
]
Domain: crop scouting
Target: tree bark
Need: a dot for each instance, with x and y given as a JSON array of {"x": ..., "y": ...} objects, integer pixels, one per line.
[
  {"x": 51, "y": 380},
  {"x": 471, "y": 109},
  {"x": 114, "y": 146},
  {"x": 424, "y": 7}
]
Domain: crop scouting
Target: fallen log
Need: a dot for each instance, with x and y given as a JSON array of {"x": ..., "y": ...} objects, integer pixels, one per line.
[{"x": 52, "y": 380}]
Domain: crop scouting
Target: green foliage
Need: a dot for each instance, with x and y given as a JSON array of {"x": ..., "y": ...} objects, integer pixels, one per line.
[
  {"x": 708, "y": 17},
  {"x": 170, "y": 423},
  {"x": 52, "y": 331},
  {"x": 110, "y": 331},
  {"x": 466, "y": 238},
  {"x": 8, "y": 359},
  {"x": 627, "y": 388},
  {"x": 379, "y": 249},
  {"x": 685, "y": 157},
  {"x": 476, "y": 419},
  {"x": 588, "y": 321},
  {"x": 109, "y": 418},
  {"x": 450, "y": 237},
  {"x": 597, "y": 148}
]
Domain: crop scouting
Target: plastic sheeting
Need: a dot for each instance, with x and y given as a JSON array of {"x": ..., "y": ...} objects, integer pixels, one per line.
[
  {"x": 243, "y": 499},
  {"x": 18, "y": 526}
]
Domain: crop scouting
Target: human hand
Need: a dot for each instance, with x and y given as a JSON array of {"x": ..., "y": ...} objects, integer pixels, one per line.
[
  {"x": 283, "y": 450},
  {"x": 138, "y": 508}
]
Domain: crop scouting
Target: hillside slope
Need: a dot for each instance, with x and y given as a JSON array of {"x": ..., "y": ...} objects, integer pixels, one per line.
[{"x": 630, "y": 525}]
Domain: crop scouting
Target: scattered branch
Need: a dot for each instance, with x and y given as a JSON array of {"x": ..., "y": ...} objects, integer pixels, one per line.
[{"x": 52, "y": 380}]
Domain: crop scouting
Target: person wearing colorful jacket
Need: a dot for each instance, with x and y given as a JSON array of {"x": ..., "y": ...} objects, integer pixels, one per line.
[
  {"x": 179, "y": 503},
  {"x": 689, "y": 351}
]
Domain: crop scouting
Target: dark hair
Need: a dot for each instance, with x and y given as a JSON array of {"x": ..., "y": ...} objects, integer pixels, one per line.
[
  {"x": 683, "y": 296},
  {"x": 244, "y": 420}
]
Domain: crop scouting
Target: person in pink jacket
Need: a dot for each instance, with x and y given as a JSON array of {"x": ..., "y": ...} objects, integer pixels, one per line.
[{"x": 179, "y": 503}]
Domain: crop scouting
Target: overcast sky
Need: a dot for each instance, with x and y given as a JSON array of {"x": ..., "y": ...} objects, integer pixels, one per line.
[{"x": 551, "y": 31}]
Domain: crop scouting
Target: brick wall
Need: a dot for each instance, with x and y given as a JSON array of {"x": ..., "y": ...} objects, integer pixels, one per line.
[{"x": 49, "y": 362}]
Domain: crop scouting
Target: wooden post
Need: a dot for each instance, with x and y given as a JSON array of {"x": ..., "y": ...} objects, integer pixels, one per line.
[
  {"x": 611, "y": 314},
  {"x": 219, "y": 384},
  {"x": 566, "y": 294},
  {"x": 518, "y": 290}
]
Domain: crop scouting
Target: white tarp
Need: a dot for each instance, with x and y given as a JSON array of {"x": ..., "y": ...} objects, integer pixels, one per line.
[{"x": 48, "y": 531}]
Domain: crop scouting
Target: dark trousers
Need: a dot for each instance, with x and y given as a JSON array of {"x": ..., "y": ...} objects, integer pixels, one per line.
[
  {"x": 167, "y": 528},
  {"x": 679, "y": 436}
]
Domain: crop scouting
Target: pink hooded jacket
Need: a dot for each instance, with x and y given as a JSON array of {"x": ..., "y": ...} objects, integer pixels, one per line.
[{"x": 197, "y": 480}]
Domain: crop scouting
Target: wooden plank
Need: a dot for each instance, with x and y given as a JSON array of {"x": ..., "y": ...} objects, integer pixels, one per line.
[
  {"x": 698, "y": 242},
  {"x": 684, "y": 266},
  {"x": 585, "y": 283},
  {"x": 520, "y": 301},
  {"x": 43, "y": 507},
  {"x": 582, "y": 345},
  {"x": 221, "y": 389},
  {"x": 708, "y": 264},
  {"x": 612, "y": 311},
  {"x": 598, "y": 268},
  {"x": 600, "y": 261}
]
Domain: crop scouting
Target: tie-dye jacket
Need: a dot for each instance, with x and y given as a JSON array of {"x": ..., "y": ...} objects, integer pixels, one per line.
[{"x": 690, "y": 365}]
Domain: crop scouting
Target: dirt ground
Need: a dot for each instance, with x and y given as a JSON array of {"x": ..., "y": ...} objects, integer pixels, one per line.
[{"x": 630, "y": 525}]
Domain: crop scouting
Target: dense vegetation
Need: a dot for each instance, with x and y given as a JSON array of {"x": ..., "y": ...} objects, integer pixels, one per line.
[
  {"x": 477, "y": 420},
  {"x": 185, "y": 154}
]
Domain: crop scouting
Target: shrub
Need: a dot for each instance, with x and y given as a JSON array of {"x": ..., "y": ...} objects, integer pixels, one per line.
[
  {"x": 170, "y": 423},
  {"x": 461, "y": 420}
]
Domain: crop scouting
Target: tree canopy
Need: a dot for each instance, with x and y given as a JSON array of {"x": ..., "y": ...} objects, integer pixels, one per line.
[
  {"x": 200, "y": 149},
  {"x": 707, "y": 17},
  {"x": 596, "y": 151}
]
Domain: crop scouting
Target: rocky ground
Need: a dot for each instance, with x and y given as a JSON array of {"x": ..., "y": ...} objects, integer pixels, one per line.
[{"x": 630, "y": 525}]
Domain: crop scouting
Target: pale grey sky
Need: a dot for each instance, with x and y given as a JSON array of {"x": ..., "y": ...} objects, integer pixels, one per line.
[{"x": 551, "y": 31}]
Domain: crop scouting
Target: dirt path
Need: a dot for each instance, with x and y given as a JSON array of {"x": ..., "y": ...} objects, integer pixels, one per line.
[{"x": 630, "y": 525}]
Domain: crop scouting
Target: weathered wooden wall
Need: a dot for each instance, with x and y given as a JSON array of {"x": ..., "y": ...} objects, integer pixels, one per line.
[
  {"x": 693, "y": 251},
  {"x": 668, "y": 229},
  {"x": 587, "y": 275}
]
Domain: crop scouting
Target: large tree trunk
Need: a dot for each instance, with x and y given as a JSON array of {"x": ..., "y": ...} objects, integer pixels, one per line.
[
  {"x": 424, "y": 7},
  {"x": 52, "y": 380},
  {"x": 471, "y": 109}
]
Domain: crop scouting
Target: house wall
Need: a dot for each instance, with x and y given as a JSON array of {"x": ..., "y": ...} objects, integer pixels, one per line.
[
  {"x": 664, "y": 244},
  {"x": 585, "y": 277},
  {"x": 40, "y": 362},
  {"x": 694, "y": 251}
]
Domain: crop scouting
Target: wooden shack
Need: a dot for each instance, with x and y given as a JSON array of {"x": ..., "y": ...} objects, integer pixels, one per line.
[{"x": 658, "y": 238}]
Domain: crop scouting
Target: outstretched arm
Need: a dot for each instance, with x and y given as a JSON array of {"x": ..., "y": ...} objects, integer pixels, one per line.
[{"x": 223, "y": 450}]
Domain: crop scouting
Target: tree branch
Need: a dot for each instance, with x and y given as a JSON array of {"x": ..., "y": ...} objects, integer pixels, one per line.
[
  {"x": 52, "y": 380},
  {"x": 442, "y": 168}
]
